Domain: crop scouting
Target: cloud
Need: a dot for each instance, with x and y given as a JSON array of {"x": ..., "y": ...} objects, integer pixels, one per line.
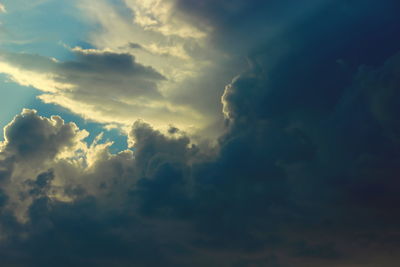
[
  {"x": 29, "y": 136},
  {"x": 196, "y": 71},
  {"x": 50, "y": 189},
  {"x": 135, "y": 46},
  {"x": 159, "y": 16},
  {"x": 102, "y": 86},
  {"x": 187, "y": 205},
  {"x": 305, "y": 174},
  {"x": 32, "y": 143},
  {"x": 2, "y": 8},
  {"x": 380, "y": 88}
]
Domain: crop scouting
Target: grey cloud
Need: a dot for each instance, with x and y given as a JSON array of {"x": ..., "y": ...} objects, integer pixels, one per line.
[
  {"x": 380, "y": 86},
  {"x": 165, "y": 199},
  {"x": 152, "y": 148},
  {"x": 95, "y": 73},
  {"x": 97, "y": 83},
  {"x": 31, "y": 147},
  {"x": 101, "y": 199},
  {"x": 108, "y": 62},
  {"x": 41, "y": 184},
  {"x": 28, "y": 61},
  {"x": 30, "y": 137},
  {"x": 101, "y": 71},
  {"x": 305, "y": 174},
  {"x": 135, "y": 46}
]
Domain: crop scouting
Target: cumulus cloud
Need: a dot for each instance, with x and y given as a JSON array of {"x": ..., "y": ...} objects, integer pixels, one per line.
[
  {"x": 87, "y": 177},
  {"x": 2, "y": 8},
  {"x": 31, "y": 145},
  {"x": 168, "y": 197},
  {"x": 306, "y": 173},
  {"x": 29, "y": 136}
]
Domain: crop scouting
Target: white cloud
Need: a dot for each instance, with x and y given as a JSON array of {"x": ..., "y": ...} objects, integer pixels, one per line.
[
  {"x": 194, "y": 73},
  {"x": 2, "y": 8},
  {"x": 52, "y": 147},
  {"x": 167, "y": 40},
  {"x": 160, "y": 16},
  {"x": 47, "y": 82}
]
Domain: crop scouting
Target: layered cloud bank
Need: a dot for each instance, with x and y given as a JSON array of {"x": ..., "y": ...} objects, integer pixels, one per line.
[
  {"x": 303, "y": 173},
  {"x": 142, "y": 60},
  {"x": 103, "y": 86}
]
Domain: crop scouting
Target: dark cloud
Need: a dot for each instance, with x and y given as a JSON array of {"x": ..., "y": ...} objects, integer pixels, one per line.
[
  {"x": 108, "y": 62},
  {"x": 95, "y": 83},
  {"x": 41, "y": 184},
  {"x": 30, "y": 137},
  {"x": 380, "y": 88},
  {"x": 306, "y": 173},
  {"x": 135, "y": 46}
]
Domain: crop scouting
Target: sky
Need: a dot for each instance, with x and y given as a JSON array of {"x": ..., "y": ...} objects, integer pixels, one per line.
[{"x": 226, "y": 133}]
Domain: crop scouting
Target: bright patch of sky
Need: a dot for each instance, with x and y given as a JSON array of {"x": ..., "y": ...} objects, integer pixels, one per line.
[
  {"x": 41, "y": 27},
  {"x": 13, "y": 99}
]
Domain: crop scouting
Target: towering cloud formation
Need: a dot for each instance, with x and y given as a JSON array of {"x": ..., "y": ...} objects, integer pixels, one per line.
[
  {"x": 305, "y": 172},
  {"x": 301, "y": 203}
]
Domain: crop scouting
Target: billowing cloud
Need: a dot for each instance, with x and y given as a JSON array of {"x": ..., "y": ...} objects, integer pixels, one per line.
[
  {"x": 302, "y": 203},
  {"x": 32, "y": 142},
  {"x": 304, "y": 174}
]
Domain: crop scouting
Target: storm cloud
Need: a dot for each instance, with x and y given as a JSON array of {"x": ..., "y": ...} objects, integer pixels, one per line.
[{"x": 304, "y": 172}]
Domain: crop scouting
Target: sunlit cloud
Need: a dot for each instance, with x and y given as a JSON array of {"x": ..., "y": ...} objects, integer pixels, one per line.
[
  {"x": 2, "y": 8},
  {"x": 177, "y": 89},
  {"x": 166, "y": 39},
  {"x": 47, "y": 82},
  {"x": 102, "y": 86},
  {"x": 161, "y": 16}
]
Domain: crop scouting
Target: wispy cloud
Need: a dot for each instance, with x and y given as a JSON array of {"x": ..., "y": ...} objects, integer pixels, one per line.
[{"x": 2, "y": 8}]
